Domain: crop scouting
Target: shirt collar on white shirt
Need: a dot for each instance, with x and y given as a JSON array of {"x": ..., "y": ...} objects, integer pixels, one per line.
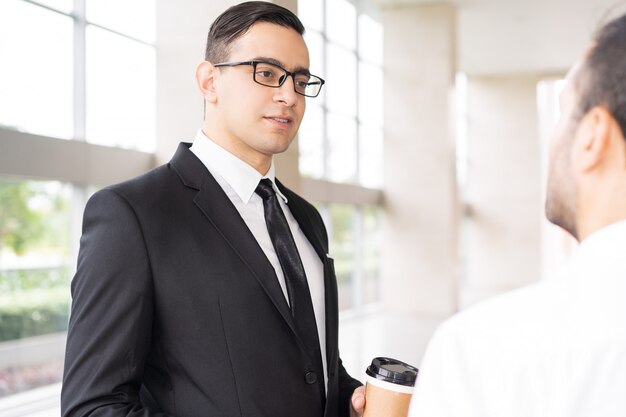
[
  {"x": 608, "y": 241},
  {"x": 239, "y": 175}
]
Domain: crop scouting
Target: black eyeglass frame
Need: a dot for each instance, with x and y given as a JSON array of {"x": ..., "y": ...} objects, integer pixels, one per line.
[{"x": 281, "y": 81}]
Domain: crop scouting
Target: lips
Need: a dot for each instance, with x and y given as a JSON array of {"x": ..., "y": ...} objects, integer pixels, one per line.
[{"x": 279, "y": 119}]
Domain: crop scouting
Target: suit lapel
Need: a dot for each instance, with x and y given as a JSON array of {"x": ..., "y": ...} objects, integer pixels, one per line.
[{"x": 222, "y": 214}]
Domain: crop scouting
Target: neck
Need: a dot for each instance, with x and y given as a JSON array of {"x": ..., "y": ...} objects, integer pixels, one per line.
[
  {"x": 260, "y": 162},
  {"x": 604, "y": 206}
]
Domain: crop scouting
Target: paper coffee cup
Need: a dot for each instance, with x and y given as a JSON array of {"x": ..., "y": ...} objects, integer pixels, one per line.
[{"x": 389, "y": 388}]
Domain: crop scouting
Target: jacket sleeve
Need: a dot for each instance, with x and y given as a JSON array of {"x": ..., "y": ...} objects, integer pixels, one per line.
[
  {"x": 110, "y": 324},
  {"x": 347, "y": 385}
]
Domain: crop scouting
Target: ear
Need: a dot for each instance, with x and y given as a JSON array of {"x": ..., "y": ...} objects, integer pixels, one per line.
[
  {"x": 593, "y": 139},
  {"x": 206, "y": 77}
]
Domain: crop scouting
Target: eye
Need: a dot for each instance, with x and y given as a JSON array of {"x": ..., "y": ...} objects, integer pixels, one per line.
[
  {"x": 302, "y": 81},
  {"x": 301, "y": 84},
  {"x": 265, "y": 73}
]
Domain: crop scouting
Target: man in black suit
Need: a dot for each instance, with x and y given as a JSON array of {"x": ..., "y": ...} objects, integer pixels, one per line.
[{"x": 204, "y": 287}]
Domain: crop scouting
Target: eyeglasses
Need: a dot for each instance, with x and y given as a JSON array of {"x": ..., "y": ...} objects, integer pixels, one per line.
[{"x": 272, "y": 75}]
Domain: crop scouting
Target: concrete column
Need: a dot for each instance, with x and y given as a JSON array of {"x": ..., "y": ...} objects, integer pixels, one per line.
[
  {"x": 419, "y": 257},
  {"x": 503, "y": 234}
]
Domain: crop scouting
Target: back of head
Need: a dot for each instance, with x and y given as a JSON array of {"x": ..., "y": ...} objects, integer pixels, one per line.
[
  {"x": 236, "y": 21},
  {"x": 604, "y": 75}
]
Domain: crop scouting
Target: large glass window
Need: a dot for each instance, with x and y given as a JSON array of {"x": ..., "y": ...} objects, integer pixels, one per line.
[
  {"x": 121, "y": 96},
  {"x": 345, "y": 45},
  {"x": 71, "y": 69},
  {"x": 355, "y": 234},
  {"x": 135, "y": 18},
  {"x": 35, "y": 69},
  {"x": 372, "y": 237},
  {"x": 341, "y": 138},
  {"x": 342, "y": 244},
  {"x": 73, "y": 76},
  {"x": 35, "y": 270}
]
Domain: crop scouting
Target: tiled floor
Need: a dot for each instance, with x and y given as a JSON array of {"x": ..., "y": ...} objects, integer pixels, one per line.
[{"x": 360, "y": 339}]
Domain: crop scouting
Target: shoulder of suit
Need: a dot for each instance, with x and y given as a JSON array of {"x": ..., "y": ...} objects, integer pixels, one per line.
[{"x": 146, "y": 179}]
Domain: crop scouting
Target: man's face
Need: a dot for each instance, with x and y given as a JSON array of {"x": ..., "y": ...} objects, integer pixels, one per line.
[
  {"x": 561, "y": 189},
  {"x": 259, "y": 121}
]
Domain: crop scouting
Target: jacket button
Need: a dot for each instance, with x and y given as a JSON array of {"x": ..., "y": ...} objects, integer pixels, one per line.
[{"x": 310, "y": 378}]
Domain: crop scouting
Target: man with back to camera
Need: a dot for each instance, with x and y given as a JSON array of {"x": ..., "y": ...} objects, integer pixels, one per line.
[
  {"x": 556, "y": 348},
  {"x": 204, "y": 287}
]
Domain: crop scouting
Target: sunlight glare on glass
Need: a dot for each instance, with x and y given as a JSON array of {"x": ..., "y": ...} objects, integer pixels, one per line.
[
  {"x": 341, "y": 22},
  {"x": 64, "y": 6},
  {"x": 370, "y": 94},
  {"x": 342, "y": 146},
  {"x": 315, "y": 44},
  {"x": 311, "y": 143},
  {"x": 135, "y": 18},
  {"x": 311, "y": 13},
  {"x": 121, "y": 91},
  {"x": 370, "y": 39},
  {"x": 35, "y": 70},
  {"x": 341, "y": 80}
]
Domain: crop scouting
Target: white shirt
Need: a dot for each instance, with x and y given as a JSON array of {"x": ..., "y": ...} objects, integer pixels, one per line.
[
  {"x": 554, "y": 349},
  {"x": 239, "y": 181}
]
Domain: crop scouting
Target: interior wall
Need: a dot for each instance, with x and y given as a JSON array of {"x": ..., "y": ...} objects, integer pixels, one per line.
[{"x": 503, "y": 230}]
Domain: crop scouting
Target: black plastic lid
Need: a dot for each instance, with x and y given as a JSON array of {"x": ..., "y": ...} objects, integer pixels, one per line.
[{"x": 393, "y": 370}]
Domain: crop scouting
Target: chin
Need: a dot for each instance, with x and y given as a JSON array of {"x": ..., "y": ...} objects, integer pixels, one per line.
[{"x": 280, "y": 145}]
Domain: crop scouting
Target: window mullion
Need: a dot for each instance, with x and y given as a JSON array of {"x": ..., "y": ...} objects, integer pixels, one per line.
[
  {"x": 357, "y": 179},
  {"x": 80, "y": 95}
]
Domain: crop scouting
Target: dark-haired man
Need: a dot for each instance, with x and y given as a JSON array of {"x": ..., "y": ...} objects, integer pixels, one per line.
[
  {"x": 556, "y": 348},
  {"x": 204, "y": 287}
]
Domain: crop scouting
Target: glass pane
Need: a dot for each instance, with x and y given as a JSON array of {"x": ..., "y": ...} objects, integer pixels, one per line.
[
  {"x": 341, "y": 22},
  {"x": 135, "y": 18},
  {"x": 372, "y": 245},
  {"x": 35, "y": 70},
  {"x": 342, "y": 149},
  {"x": 371, "y": 156},
  {"x": 311, "y": 143},
  {"x": 371, "y": 94},
  {"x": 64, "y": 6},
  {"x": 311, "y": 13},
  {"x": 35, "y": 269},
  {"x": 341, "y": 81},
  {"x": 370, "y": 39},
  {"x": 121, "y": 91},
  {"x": 315, "y": 43},
  {"x": 342, "y": 248}
]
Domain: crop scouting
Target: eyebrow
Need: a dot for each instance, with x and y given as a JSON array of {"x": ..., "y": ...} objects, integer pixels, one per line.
[{"x": 297, "y": 70}]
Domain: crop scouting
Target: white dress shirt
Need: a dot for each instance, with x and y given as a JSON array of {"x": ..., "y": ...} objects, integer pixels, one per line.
[
  {"x": 239, "y": 181},
  {"x": 556, "y": 348}
]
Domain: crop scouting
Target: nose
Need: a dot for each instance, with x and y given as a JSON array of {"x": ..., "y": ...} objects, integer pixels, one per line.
[{"x": 286, "y": 93}]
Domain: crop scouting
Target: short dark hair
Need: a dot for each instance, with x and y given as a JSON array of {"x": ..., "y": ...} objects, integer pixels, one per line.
[
  {"x": 604, "y": 72},
  {"x": 236, "y": 21}
]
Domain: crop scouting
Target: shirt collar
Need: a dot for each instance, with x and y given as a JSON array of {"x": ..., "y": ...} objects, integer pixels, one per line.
[
  {"x": 239, "y": 175},
  {"x": 608, "y": 241}
]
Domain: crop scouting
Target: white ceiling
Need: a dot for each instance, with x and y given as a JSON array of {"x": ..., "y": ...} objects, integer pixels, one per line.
[{"x": 521, "y": 36}]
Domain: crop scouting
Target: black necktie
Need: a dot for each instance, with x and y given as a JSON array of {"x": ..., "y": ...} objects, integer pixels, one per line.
[{"x": 295, "y": 277}]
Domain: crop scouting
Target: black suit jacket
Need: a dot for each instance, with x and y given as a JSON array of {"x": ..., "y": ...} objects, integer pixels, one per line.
[{"x": 177, "y": 311}]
